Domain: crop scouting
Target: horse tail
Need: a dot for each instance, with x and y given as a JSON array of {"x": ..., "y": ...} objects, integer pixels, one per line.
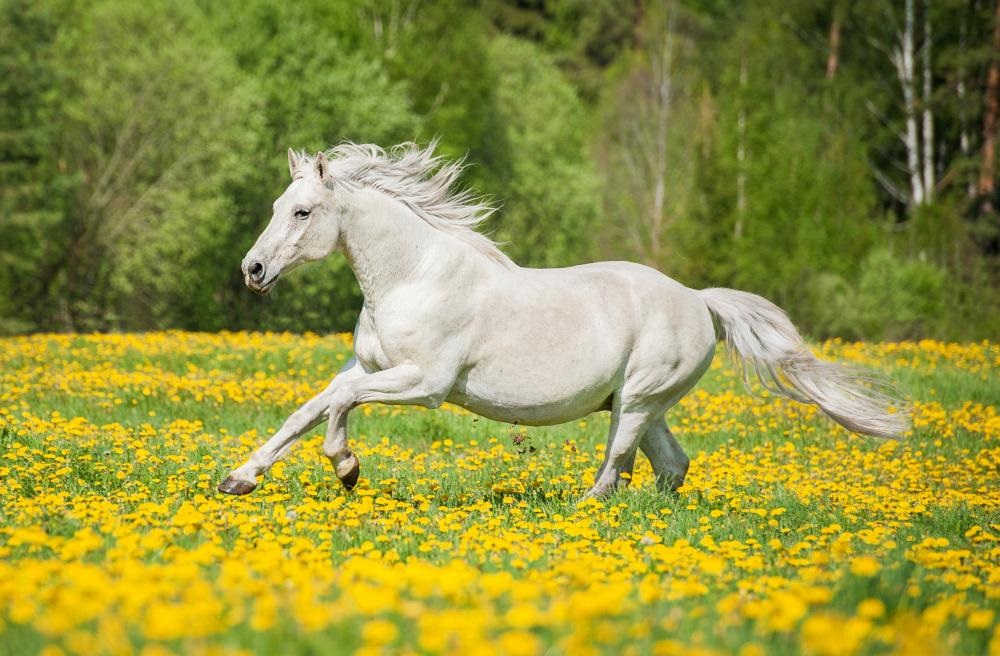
[{"x": 761, "y": 339}]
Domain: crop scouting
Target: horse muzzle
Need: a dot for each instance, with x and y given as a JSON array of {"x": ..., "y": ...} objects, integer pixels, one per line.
[
  {"x": 257, "y": 277},
  {"x": 261, "y": 288}
]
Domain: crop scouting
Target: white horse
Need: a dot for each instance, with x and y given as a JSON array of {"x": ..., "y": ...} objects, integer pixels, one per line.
[{"x": 448, "y": 317}]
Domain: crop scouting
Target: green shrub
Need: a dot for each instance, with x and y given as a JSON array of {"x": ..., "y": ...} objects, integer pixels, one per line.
[{"x": 900, "y": 299}]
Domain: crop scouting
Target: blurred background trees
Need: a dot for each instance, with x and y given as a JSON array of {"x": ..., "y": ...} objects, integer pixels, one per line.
[{"x": 836, "y": 157}]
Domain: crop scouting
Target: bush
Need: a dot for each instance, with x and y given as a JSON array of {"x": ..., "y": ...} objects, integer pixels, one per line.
[{"x": 900, "y": 299}]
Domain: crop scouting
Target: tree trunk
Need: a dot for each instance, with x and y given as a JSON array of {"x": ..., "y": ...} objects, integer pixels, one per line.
[
  {"x": 928, "y": 135},
  {"x": 987, "y": 182},
  {"x": 833, "y": 60},
  {"x": 911, "y": 138},
  {"x": 663, "y": 78},
  {"x": 741, "y": 154},
  {"x": 964, "y": 142}
]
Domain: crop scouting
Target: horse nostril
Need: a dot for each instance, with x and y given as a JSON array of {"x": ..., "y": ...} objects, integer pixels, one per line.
[{"x": 256, "y": 271}]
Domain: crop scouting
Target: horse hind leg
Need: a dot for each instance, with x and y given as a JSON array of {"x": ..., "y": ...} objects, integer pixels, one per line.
[
  {"x": 628, "y": 424},
  {"x": 670, "y": 463}
]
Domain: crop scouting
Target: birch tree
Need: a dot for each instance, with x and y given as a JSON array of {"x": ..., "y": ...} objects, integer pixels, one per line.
[
  {"x": 646, "y": 151},
  {"x": 928, "y": 116},
  {"x": 916, "y": 89},
  {"x": 987, "y": 170},
  {"x": 903, "y": 61},
  {"x": 961, "y": 90},
  {"x": 833, "y": 55}
]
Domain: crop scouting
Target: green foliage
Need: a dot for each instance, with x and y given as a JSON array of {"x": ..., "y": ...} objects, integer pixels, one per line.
[
  {"x": 149, "y": 131},
  {"x": 156, "y": 124},
  {"x": 657, "y": 124},
  {"x": 550, "y": 198},
  {"x": 585, "y": 35},
  {"x": 893, "y": 298},
  {"x": 900, "y": 299},
  {"x": 141, "y": 148},
  {"x": 792, "y": 183},
  {"x": 28, "y": 174},
  {"x": 441, "y": 54},
  {"x": 339, "y": 94}
]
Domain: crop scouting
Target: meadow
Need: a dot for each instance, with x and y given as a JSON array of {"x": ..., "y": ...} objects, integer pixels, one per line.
[{"x": 465, "y": 536}]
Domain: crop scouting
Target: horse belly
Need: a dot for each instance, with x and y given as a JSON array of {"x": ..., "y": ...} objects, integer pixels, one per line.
[
  {"x": 550, "y": 349},
  {"x": 530, "y": 414},
  {"x": 536, "y": 396}
]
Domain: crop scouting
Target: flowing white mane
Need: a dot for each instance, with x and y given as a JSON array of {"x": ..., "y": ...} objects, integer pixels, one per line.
[{"x": 424, "y": 183}]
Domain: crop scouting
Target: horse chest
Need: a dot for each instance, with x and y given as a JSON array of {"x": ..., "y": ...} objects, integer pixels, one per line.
[{"x": 367, "y": 348}]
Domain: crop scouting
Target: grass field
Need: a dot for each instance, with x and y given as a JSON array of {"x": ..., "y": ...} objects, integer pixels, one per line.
[{"x": 464, "y": 535}]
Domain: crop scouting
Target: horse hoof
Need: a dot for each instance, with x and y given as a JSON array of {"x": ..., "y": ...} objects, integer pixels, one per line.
[
  {"x": 350, "y": 479},
  {"x": 236, "y": 486},
  {"x": 598, "y": 493},
  {"x": 669, "y": 483}
]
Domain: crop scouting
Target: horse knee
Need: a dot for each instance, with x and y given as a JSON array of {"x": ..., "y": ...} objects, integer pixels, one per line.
[{"x": 340, "y": 400}]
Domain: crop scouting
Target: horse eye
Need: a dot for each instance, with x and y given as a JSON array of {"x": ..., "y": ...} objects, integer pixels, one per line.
[{"x": 301, "y": 214}]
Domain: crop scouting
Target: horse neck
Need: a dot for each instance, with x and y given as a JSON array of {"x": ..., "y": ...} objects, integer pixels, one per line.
[{"x": 385, "y": 243}]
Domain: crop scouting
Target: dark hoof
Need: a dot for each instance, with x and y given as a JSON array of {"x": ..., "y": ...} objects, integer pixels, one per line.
[
  {"x": 669, "y": 483},
  {"x": 236, "y": 486},
  {"x": 350, "y": 480}
]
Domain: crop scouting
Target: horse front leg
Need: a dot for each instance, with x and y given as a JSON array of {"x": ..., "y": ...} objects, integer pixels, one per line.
[
  {"x": 336, "y": 449},
  {"x": 243, "y": 479},
  {"x": 404, "y": 385}
]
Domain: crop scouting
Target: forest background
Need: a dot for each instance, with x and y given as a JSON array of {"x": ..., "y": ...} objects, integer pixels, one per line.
[{"x": 837, "y": 157}]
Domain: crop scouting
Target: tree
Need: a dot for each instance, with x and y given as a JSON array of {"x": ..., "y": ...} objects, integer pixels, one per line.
[
  {"x": 583, "y": 38},
  {"x": 550, "y": 200},
  {"x": 647, "y": 151},
  {"x": 789, "y": 147},
  {"x": 902, "y": 56},
  {"x": 29, "y": 211},
  {"x": 317, "y": 88},
  {"x": 928, "y": 114},
  {"x": 836, "y": 25},
  {"x": 150, "y": 127},
  {"x": 786, "y": 193},
  {"x": 440, "y": 53},
  {"x": 987, "y": 171}
]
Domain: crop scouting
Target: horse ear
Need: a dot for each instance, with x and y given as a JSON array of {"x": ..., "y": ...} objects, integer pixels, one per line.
[
  {"x": 322, "y": 166},
  {"x": 293, "y": 162}
]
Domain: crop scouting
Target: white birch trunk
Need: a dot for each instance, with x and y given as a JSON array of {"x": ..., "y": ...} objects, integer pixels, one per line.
[
  {"x": 902, "y": 58},
  {"x": 663, "y": 71},
  {"x": 928, "y": 134},
  {"x": 964, "y": 142},
  {"x": 741, "y": 154}
]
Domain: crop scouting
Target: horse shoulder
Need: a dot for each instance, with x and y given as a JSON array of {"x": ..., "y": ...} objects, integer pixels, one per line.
[
  {"x": 367, "y": 347},
  {"x": 425, "y": 322}
]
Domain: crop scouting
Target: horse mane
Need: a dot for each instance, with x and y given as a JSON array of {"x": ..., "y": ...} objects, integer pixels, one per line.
[{"x": 422, "y": 181}]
